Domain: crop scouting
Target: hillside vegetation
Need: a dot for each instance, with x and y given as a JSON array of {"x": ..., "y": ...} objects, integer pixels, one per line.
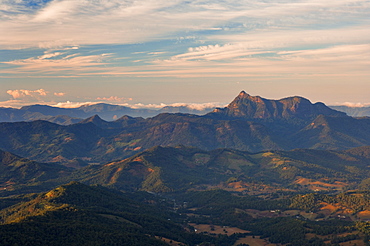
[{"x": 248, "y": 123}]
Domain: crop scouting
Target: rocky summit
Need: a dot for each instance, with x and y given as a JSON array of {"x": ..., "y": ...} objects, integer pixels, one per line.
[{"x": 256, "y": 107}]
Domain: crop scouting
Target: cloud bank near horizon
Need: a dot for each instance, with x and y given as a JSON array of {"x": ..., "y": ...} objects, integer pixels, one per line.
[{"x": 22, "y": 97}]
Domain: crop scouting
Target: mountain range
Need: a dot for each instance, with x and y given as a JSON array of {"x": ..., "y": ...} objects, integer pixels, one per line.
[
  {"x": 248, "y": 123},
  {"x": 179, "y": 169},
  {"x": 250, "y": 167},
  {"x": 67, "y": 116},
  {"x": 109, "y": 112},
  {"x": 169, "y": 169}
]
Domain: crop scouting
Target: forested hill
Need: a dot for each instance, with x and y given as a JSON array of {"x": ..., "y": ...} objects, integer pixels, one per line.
[
  {"x": 248, "y": 123},
  {"x": 76, "y": 214},
  {"x": 175, "y": 169},
  {"x": 15, "y": 170}
]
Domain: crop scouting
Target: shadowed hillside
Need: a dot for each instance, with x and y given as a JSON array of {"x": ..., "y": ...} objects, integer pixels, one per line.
[
  {"x": 76, "y": 214},
  {"x": 248, "y": 123}
]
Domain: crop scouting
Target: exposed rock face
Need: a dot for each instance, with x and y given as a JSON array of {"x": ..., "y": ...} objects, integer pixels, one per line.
[{"x": 255, "y": 107}]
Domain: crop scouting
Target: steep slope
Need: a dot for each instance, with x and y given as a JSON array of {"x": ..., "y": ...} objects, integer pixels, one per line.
[
  {"x": 173, "y": 169},
  {"x": 16, "y": 171},
  {"x": 59, "y": 119},
  {"x": 190, "y": 130},
  {"x": 248, "y": 123},
  {"x": 44, "y": 141},
  {"x": 96, "y": 140},
  {"x": 333, "y": 133},
  {"x": 96, "y": 120},
  {"x": 158, "y": 169},
  {"x": 256, "y": 107},
  {"x": 76, "y": 214},
  {"x": 167, "y": 169}
]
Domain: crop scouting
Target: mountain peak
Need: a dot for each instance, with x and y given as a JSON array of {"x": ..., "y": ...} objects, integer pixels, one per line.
[
  {"x": 6, "y": 157},
  {"x": 97, "y": 121},
  {"x": 94, "y": 119},
  {"x": 256, "y": 107},
  {"x": 243, "y": 93}
]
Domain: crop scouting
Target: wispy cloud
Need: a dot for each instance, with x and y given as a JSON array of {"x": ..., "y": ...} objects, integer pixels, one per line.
[
  {"x": 112, "y": 21},
  {"x": 57, "y": 63},
  {"x": 115, "y": 99},
  {"x": 353, "y": 105},
  {"x": 238, "y": 60}
]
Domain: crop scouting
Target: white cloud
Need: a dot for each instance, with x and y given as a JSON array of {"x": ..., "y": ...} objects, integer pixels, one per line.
[
  {"x": 69, "y": 104},
  {"x": 12, "y": 104},
  {"x": 199, "y": 106},
  {"x": 17, "y": 94},
  {"x": 22, "y": 97},
  {"x": 194, "y": 106}
]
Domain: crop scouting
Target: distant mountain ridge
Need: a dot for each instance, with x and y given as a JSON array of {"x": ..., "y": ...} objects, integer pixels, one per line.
[
  {"x": 254, "y": 107},
  {"x": 353, "y": 111},
  {"x": 248, "y": 123},
  {"x": 67, "y": 116}
]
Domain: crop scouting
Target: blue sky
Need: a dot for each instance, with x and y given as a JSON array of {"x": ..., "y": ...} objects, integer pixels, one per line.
[{"x": 141, "y": 52}]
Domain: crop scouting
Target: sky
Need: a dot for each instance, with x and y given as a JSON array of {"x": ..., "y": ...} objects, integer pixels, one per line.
[{"x": 148, "y": 53}]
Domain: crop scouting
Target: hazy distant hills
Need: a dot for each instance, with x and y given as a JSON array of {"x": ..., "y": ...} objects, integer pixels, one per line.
[
  {"x": 353, "y": 111},
  {"x": 248, "y": 123},
  {"x": 66, "y": 116}
]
